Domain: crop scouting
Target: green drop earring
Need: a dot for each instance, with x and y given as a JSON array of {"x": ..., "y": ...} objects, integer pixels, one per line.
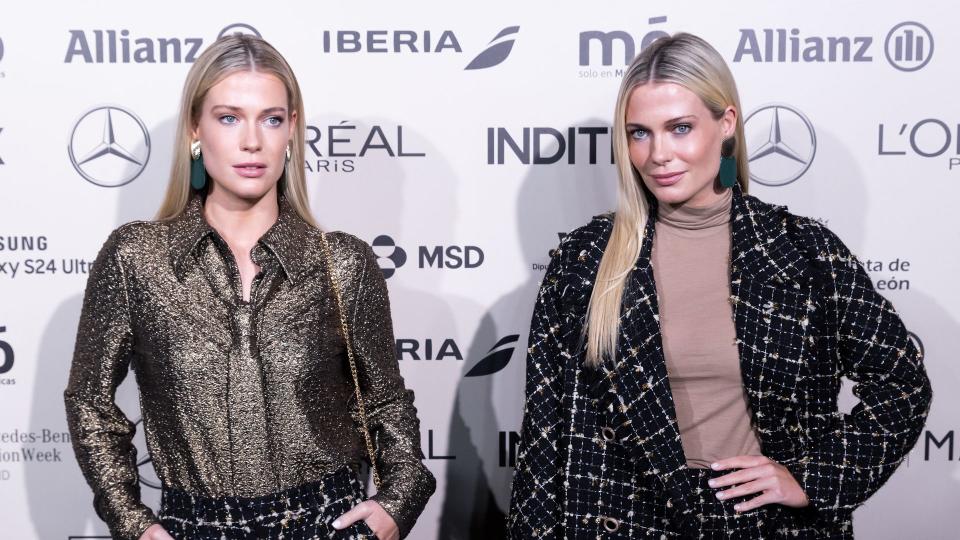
[
  {"x": 198, "y": 172},
  {"x": 728, "y": 164}
]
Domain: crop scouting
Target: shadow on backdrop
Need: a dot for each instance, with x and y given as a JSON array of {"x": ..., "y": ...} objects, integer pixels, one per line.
[
  {"x": 552, "y": 200},
  {"x": 46, "y": 491}
]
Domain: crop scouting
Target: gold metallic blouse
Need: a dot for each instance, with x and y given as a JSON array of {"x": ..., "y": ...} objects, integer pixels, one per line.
[{"x": 238, "y": 398}]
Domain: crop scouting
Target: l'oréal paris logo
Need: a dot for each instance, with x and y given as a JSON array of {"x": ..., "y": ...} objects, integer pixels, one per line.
[{"x": 926, "y": 138}]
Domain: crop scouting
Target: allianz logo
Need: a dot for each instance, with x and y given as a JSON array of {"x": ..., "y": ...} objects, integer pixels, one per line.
[
  {"x": 908, "y": 46},
  {"x": 105, "y": 46}
]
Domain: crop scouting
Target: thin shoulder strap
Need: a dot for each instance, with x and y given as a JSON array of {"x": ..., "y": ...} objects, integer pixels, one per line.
[{"x": 345, "y": 329}]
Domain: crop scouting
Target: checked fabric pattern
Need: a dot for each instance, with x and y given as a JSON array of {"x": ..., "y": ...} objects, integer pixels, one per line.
[
  {"x": 304, "y": 512},
  {"x": 600, "y": 453}
]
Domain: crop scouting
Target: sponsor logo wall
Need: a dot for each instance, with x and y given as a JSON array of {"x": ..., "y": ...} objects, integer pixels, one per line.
[{"x": 461, "y": 144}]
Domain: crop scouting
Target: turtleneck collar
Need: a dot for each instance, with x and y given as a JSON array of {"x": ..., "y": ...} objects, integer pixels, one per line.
[{"x": 695, "y": 218}]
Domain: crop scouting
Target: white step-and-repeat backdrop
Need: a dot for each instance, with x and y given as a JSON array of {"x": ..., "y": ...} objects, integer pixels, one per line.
[{"x": 461, "y": 140}]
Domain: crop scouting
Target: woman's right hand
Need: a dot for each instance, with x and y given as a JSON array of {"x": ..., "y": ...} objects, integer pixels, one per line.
[{"x": 155, "y": 532}]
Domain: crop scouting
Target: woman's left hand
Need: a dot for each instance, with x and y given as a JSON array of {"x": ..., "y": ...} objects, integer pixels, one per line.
[
  {"x": 758, "y": 474},
  {"x": 376, "y": 517}
]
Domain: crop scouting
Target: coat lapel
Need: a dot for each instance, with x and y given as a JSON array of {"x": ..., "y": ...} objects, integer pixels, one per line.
[
  {"x": 640, "y": 400},
  {"x": 772, "y": 309}
]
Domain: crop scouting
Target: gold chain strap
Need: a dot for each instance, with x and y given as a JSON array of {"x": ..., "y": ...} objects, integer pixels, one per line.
[{"x": 353, "y": 364}]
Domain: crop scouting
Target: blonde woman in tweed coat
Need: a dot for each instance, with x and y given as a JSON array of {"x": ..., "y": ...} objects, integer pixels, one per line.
[{"x": 686, "y": 353}]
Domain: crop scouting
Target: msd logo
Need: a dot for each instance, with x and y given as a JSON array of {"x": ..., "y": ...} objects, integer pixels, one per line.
[{"x": 391, "y": 256}]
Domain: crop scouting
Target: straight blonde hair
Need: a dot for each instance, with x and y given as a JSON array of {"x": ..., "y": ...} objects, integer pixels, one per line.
[
  {"x": 228, "y": 55},
  {"x": 688, "y": 61}
]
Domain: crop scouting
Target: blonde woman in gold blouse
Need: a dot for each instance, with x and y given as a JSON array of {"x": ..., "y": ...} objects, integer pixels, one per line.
[{"x": 262, "y": 347}]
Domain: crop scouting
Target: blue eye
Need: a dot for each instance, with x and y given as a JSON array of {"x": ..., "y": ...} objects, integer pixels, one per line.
[
  {"x": 638, "y": 134},
  {"x": 228, "y": 119},
  {"x": 274, "y": 121},
  {"x": 682, "y": 129}
]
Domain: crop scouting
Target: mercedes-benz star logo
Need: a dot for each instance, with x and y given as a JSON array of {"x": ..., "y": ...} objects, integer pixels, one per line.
[
  {"x": 239, "y": 28},
  {"x": 109, "y": 146},
  {"x": 781, "y": 144}
]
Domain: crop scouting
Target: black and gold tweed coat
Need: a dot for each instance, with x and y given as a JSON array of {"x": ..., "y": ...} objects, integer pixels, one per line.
[{"x": 600, "y": 449}]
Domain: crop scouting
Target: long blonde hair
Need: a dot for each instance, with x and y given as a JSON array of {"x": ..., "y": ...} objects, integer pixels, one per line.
[
  {"x": 691, "y": 62},
  {"x": 227, "y": 55}
]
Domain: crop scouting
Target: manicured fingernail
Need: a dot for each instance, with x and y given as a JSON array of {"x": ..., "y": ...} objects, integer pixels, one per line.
[
  {"x": 721, "y": 495},
  {"x": 714, "y": 465},
  {"x": 711, "y": 483},
  {"x": 336, "y": 524},
  {"x": 737, "y": 507}
]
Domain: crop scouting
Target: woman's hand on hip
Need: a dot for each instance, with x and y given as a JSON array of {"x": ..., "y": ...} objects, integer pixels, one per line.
[
  {"x": 758, "y": 474},
  {"x": 376, "y": 517},
  {"x": 155, "y": 532}
]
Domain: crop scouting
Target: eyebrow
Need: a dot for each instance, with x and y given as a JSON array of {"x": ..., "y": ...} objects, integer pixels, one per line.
[
  {"x": 668, "y": 122},
  {"x": 233, "y": 108}
]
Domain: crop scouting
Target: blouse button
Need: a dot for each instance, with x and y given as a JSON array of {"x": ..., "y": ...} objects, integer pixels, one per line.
[
  {"x": 608, "y": 433},
  {"x": 611, "y": 524}
]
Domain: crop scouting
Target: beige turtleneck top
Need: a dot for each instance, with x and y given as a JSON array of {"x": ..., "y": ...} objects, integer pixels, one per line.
[{"x": 691, "y": 254}]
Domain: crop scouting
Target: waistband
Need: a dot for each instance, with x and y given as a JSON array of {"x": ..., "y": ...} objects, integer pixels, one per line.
[{"x": 338, "y": 491}]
